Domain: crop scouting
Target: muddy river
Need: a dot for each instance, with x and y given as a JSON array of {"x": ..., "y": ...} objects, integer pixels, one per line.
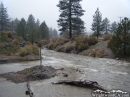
[{"x": 110, "y": 73}]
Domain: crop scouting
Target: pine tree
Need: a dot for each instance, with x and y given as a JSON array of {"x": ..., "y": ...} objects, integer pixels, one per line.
[
  {"x": 37, "y": 28},
  {"x": 97, "y": 26},
  {"x": 106, "y": 25},
  {"x": 113, "y": 27},
  {"x": 53, "y": 33},
  {"x": 44, "y": 31},
  {"x": 31, "y": 28},
  {"x": 4, "y": 19},
  {"x": 69, "y": 19},
  {"x": 16, "y": 22},
  {"x": 120, "y": 42},
  {"x": 21, "y": 28}
]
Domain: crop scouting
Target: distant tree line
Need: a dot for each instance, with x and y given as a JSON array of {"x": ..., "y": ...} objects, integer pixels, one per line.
[{"x": 31, "y": 29}]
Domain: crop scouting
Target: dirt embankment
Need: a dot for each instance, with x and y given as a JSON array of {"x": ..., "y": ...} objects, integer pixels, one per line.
[
  {"x": 103, "y": 46},
  {"x": 30, "y": 74},
  {"x": 13, "y": 59}
]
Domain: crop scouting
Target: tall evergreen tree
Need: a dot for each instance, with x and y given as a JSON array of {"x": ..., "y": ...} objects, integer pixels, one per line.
[
  {"x": 113, "y": 27},
  {"x": 37, "y": 28},
  {"x": 69, "y": 19},
  {"x": 21, "y": 28},
  {"x": 97, "y": 26},
  {"x": 4, "y": 19},
  {"x": 53, "y": 33},
  {"x": 44, "y": 30},
  {"x": 15, "y": 24},
  {"x": 106, "y": 25},
  {"x": 120, "y": 42},
  {"x": 31, "y": 28}
]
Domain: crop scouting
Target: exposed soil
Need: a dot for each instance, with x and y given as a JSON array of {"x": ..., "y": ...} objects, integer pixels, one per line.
[
  {"x": 103, "y": 46},
  {"x": 30, "y": 74},
  {"x": 11, "y": 59}
]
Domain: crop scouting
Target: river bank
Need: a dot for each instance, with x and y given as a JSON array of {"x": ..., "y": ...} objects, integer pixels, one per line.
[{"x": 15, "y": 59}]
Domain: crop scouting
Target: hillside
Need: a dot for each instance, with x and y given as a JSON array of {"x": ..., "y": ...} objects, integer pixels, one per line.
[{"x": 14, "y": 49}]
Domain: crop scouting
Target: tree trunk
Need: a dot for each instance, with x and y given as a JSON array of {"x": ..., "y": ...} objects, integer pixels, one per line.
[{"x": 86, "y": 84}]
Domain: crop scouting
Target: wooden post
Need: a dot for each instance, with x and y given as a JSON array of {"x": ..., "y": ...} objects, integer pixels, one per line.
[
  {"x": 29, "y": 90},
  {"x": 41, "y": 60}
]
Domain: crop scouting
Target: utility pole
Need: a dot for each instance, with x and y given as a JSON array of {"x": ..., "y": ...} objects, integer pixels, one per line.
[{"x": 120, "y": 18}]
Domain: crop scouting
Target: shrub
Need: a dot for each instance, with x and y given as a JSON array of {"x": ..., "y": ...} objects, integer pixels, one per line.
[
  {"x": 18, "y": 38},
  {"x": 82, "y": 46},
  {"x": 95, "y": 53},
  {"x": 35, "y": 50},
  {"x": 42, "y": 43},
  {"x": 81, "y": 39},
  {"x": 100, "y": 53},
  {"x": 8, "y": 48},
  {"x": 59, "y": 48},
  {"x": 28, "y": 43},
  {"x": 107, "y": 37},
  {"x": 109, "y": 43},
  {"x": 23, "y": 52},
  {"x": 81, "y": 43},
  {"x": 65, "y": 40},
  {"x": 16, "y": 42},
  {"x": 9, "y": 34},
  {"x": 58, "y": 43},
  {"x": 3, "y": 37},
  {"x": 29, "y": 50},
  {"x": 69, "y": 48},
  {"x": 92, "y": 40},
  {"x": 50, "y": 46},
  {"x": 92, "y": 53}
]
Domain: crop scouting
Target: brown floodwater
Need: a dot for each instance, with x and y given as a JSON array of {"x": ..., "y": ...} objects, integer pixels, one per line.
[{"x": 110, "y": 73}]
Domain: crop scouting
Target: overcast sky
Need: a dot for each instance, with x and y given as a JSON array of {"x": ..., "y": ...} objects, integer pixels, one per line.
[{"x": 46, "y": 10}]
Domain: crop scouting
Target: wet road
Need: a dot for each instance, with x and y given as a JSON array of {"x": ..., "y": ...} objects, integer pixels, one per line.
[{"x": 110, "y": 73}]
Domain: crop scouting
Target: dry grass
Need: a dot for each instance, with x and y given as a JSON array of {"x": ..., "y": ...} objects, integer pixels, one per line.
[
  {"x": 107, "y": 37},
  {"x": 95, "y": 53},
  {"x": 82, "y": 46},
  {"x": 16, "y": 42},
  {"x": 59, "y": 48},
  {"x": 57, "y": 43},
  {"x": 50, "y": 45},
  {"x": 92, "y": 40},
  {"x": 29, "y": 50},
  {"x": 78, "y": 43},
  {"x": 42, "y": 43},
  {"x": 69, "y": 48}
]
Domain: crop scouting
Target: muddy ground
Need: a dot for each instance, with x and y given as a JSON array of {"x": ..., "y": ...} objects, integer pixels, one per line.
[{"x": 30, "y": 74}]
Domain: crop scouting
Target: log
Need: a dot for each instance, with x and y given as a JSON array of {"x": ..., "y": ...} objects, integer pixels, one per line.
[
  {"x": 29, "y": 92},
  {"x": 87, "y": 84}
]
